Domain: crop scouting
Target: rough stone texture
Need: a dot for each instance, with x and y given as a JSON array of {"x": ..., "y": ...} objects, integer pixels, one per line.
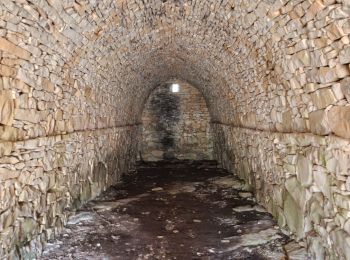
[
  {"x": 176, "y": 125},
  {"x": 7, "y": 107},
  {"x": 339, "y": 120},
  {"x": 43, "y": 179},
  {"x": 85, "y": 68},
  {"x": 302, "y": 179}
]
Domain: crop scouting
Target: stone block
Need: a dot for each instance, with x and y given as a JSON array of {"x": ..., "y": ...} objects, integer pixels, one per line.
[
  {"x": 338, "y": 93},
  {"x": 338, "y": 118},
  {"x": 6, "y": 174},
  {"x": 345, "y": 87},
  {"x": 323, "y": 181},
  {"x": 5, "y": 148},
  {"x": 342, "y": 71},
  {"x": 334, "y": 30},
  {"x": 8, "y": 133},
  {"x": 7, "y": 107},
  {"x": 319, "y": 123},
  {"x": 327, "y": 75},
  {"x": 323, "y": 98},
  {"x": 304, "y": 57},
  {"x": 27, "y": 115},
  {"x": 341, "y": 238},
  {"x": 287, "y": 122},
  {"x": 312, "y": 11},
  {"x": 293, "y": 213},
  {"x": 304, "y": 171},
  {"x": 6, "y": 219},
  {"x": 296, "y": 190},
  {"x": 13, "y": 49},
  {"x": 48, "y": 85},
  {"x": 344, "y": 55}
]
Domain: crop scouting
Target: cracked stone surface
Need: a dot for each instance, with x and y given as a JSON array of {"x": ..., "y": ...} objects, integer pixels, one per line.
[{"x": 174, "y": 210}]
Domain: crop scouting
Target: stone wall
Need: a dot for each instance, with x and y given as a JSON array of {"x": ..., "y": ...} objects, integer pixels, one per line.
[
  {"x": 302, "y": 179},
  {"x": 278, "y": 67},
  {"x": 62, "y": 137},
  {"x": 176, "y": 125},
  {"x": 42, "y": 180}
]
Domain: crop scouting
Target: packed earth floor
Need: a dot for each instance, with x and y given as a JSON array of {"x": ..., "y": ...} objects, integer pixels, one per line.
[{"x": 174, "y": 210}]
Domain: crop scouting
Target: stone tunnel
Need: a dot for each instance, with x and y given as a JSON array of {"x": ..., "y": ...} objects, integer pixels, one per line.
[{"x": 80, "y": 82}]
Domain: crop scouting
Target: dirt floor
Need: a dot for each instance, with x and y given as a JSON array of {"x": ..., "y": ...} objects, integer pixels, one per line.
[{"x": 174, "y": 210}]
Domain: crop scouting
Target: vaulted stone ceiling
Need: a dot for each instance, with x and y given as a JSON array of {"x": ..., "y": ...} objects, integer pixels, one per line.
[
  {"x": 209, "y": 44},
  {"x": 123, "y": 49},
  {"x": 81, "y": 71},
  {"x": 242, "y": 54}
]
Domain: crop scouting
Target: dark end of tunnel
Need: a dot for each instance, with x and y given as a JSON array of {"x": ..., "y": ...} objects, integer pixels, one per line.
[{"x": 165, "y": 106}]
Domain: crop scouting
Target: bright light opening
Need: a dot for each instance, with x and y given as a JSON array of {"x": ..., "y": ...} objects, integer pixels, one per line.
[{"x": 175, "y": 88}]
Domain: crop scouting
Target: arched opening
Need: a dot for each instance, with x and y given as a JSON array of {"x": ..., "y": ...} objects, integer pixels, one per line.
[
  {"x": 75, "y": 75},
  {"x": 176, "y": 124}
]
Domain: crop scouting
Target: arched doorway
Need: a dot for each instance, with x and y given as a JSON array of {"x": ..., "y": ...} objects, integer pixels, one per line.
[{"x": 176, "y": 124}]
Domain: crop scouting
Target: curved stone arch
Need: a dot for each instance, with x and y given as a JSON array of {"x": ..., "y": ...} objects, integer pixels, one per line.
[
  {"x": 140, "y": 40},
  {"x": 175, "y": 125},
  {"x": 276, "y": 66},
  {"x": 196, "y": 72},
  {"x": 172, "y": 79}
]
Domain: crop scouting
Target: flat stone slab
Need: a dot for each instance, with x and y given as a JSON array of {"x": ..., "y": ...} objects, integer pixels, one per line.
[{"x": 174, "y": 210}]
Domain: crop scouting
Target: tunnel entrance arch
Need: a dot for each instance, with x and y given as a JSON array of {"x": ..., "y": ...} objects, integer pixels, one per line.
[{"x": 176, "y": 124}]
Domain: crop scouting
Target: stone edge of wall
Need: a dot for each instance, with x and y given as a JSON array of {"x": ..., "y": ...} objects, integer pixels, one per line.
[
  {"x": 123, "y": 137},
  {"x": 281, "y": 168}
]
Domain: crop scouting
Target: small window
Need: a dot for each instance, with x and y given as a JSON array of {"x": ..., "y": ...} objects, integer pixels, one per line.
[{"x": 175, "y": 88}]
